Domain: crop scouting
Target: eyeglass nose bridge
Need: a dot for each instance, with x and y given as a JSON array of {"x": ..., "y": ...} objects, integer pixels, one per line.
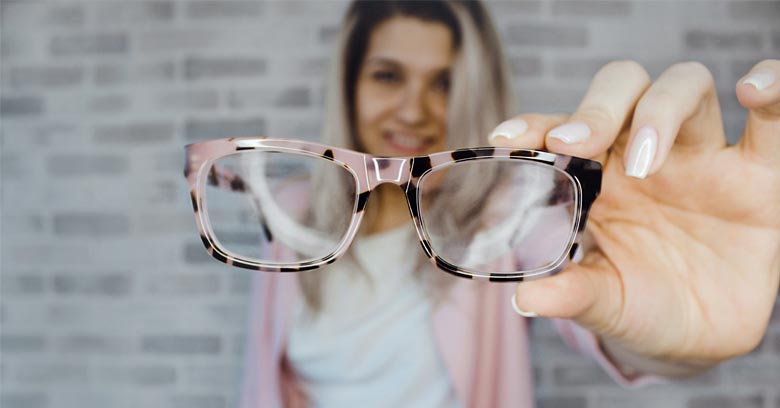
[{"x": 388, "y": 170}]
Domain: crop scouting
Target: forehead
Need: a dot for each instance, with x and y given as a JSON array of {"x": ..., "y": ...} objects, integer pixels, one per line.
[{"x": 413, "y": 43}]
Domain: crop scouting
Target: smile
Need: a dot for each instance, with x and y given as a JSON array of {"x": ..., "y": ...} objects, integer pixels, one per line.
[{"x": 406, "y": 142}]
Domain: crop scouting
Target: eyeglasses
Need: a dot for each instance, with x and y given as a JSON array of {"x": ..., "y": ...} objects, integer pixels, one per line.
[{"x": 499, "y": 214}]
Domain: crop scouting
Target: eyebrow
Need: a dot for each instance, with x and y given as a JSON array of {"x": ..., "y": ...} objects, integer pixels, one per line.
[
  {"x": 397, "y": 65},
  {"x": 383, "y": 61}
]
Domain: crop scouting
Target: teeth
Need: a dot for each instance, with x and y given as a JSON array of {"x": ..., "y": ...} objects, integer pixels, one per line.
[{"x": 406, "y": 141}]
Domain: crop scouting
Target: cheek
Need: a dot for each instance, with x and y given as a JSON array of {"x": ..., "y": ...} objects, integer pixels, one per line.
[
  {"x": 438, "y": 109},
  {"x": 439, "y": 116},
  {"x": 370, "y": 105}
]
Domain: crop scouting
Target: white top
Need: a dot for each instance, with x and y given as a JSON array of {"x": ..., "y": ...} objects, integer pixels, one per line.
[{"x": 372, "y": 344}]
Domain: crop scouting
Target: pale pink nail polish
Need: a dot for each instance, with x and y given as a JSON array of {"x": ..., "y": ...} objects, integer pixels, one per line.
[
  {"x": 760, "y": 80},
  {"x": 572, "y": 132},
  {"x": 509, "y": 129},
  {"x": 519, "y": 311},
  {"x": 642, "y": 152}
]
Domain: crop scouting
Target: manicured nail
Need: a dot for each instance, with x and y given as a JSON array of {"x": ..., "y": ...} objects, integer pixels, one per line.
[
  {"x": 642, "y": 152},
  {"x": 509, "y": 129},
  {"x": 573, "y": 132},
  {"x": 760, "y": 80},
  {"x": 519, "y": 311}
]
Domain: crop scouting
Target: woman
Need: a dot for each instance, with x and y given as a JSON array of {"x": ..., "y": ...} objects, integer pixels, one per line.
[
  {"x": 399, "y": 66},
  {"x": 674, "y": 269}
]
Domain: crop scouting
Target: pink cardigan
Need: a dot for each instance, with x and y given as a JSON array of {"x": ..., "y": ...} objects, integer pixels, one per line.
[{"x": 483, "y": 342}]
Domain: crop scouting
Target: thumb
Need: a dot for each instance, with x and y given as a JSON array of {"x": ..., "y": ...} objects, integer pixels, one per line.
[
  {"x": 589, "y": 292},
  {"x": 759, "y": 91}
]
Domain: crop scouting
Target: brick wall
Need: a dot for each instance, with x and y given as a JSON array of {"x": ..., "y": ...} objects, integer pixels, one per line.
[{"x": 108, "y": 298}]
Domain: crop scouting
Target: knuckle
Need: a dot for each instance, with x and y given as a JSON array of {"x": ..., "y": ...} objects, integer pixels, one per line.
[
  {"x": 633, "y": 68},
  {"x": 769, "y": 61},
  {"x": 659, "y": 103},
  {"x": 532, "y": 116},
  {"x": 559, "y": 117},
  {"x": 767, "y": 64},
  {"x": 693, "y": 69},
  {"x": 600, "y": 114},
  {"x": 544, "y": 117}
]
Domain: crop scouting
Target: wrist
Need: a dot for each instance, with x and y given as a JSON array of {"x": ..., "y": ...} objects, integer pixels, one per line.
[{"x": 632, "y": 364}]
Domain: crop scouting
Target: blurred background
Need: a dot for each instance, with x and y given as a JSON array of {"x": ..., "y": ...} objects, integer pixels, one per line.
[{"x": 109, "y": 298}]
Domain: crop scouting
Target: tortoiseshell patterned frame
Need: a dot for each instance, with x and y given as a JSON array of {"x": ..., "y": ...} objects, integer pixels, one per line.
[{"x": 370, "y": 171}]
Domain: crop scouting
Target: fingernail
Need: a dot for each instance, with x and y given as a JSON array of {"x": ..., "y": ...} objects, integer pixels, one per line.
[
  {"x": 509, "y": 129},
  {"x": 642, "y": 152},
  {"x": 519, "y": 311},
  {"x": 572, "y": 132},
  {"x": 760, "y": 80}
]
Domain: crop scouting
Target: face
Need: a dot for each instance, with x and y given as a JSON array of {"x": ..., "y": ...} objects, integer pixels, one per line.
[{"x": 402, "y": 88}]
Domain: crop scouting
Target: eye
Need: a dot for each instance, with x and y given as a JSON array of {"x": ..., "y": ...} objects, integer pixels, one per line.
[
  {"x": 389, "y": 77},
  {"x": 442, "y": 82}
]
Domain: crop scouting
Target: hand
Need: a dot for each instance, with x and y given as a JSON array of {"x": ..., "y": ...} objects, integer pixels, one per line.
[{"x": 686, "y": 261}]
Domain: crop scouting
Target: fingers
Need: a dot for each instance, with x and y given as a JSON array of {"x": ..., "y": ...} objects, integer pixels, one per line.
[
  {"x": 603, "y": 112},
  {"x": 680, "y": 107},
  {"x": 759, "y": 91},
  {"x": 524, "y": 131}
]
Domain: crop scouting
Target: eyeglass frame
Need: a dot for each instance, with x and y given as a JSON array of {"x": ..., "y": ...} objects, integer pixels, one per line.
[{"x": 369, "y": 171}]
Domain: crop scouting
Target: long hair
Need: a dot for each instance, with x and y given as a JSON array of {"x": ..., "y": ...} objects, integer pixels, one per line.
[{"x": 480, "y": 96}]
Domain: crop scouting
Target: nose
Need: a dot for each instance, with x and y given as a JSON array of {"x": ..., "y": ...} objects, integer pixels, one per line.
[{"x": 411, "y": 109}]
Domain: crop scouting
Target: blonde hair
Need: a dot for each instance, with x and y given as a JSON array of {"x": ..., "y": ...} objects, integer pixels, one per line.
[{"x": 480, "y": 96}]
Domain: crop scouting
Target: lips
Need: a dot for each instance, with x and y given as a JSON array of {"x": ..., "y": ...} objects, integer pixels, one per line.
[{"x": 407, "y": 143}]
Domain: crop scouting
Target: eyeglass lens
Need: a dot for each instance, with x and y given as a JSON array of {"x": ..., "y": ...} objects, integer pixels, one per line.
[
  {"x": 291, "y": 208},
  {"x": 498, "y": 216}
]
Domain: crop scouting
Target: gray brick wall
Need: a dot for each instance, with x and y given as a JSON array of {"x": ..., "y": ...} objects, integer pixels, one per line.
[{"x": 108, "y": 299}]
